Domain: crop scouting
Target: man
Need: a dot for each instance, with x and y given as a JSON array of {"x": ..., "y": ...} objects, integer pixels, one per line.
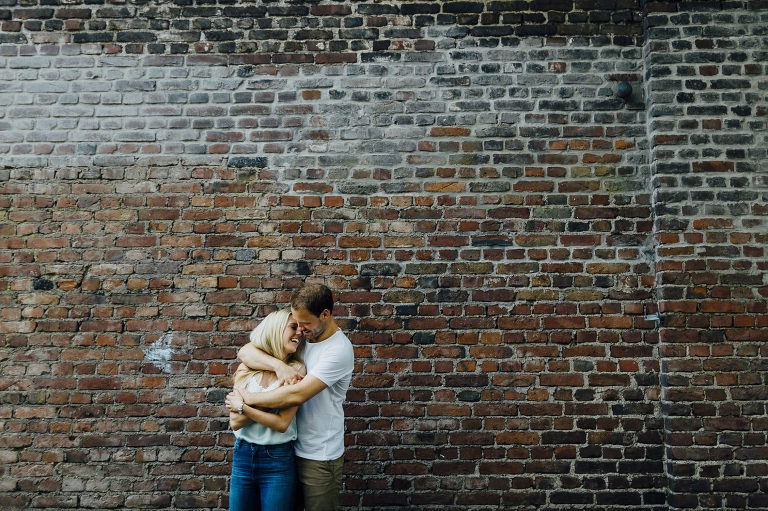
[{"x": 329, "y": 358}]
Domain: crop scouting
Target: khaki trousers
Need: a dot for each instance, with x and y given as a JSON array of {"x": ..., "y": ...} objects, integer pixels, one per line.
[{"x": 320, "y": 483}]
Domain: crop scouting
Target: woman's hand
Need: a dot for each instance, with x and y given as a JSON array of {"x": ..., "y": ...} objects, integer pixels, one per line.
[
  {"x": 287, "y": 375},
  {"x": 237, "y": 421},
  {"x": 234, "y": 402},
  {"x": 245, "y": 396}
]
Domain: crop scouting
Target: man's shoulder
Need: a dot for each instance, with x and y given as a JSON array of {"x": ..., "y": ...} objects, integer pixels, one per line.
[
  {"x": 337, "y": 343},
  {"x": 336, "y": 340},
  {"x": 341, "y": 337},
  {"x": 334, "y": 362}
]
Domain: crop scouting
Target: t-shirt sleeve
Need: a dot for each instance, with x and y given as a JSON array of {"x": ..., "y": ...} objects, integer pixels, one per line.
[{"x": 335, "y": 364}]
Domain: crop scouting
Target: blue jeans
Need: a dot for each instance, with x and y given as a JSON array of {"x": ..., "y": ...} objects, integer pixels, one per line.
[{"x": 263, "y": 477}]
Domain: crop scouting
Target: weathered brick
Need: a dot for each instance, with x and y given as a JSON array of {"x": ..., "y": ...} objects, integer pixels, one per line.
[{"x": 498, "y": 225}]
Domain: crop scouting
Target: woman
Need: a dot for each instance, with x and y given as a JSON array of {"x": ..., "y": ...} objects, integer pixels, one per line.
[{"x": 263, "y": 463}]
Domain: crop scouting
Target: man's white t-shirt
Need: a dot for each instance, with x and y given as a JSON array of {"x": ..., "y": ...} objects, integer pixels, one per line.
[{"x": 320, "y": 420}]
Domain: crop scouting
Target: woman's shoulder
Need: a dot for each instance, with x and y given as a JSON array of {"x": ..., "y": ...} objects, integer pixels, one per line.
[{"x": 261, "y": 380}]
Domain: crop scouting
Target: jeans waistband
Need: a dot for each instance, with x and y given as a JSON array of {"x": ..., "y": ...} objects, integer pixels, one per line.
[{"x": 242, "y": 442}]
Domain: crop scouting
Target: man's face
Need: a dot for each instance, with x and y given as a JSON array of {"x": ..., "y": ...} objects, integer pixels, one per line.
[{"x": 309, "y": 325}]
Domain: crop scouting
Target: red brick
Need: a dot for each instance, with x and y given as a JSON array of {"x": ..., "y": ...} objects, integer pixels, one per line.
[
  {"x": 563, "y": 322},
  {"x": 713, "y": 166},
  {"x": 561, "y": 380},
  {"x": 449, "y": 132},
  {"x": 99, "y": 384}
]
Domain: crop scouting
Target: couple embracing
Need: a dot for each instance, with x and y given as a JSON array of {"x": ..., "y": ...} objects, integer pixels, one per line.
[{"x": 286, "y": 408}]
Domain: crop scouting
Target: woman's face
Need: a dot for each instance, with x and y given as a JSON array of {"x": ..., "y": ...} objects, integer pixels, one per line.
[{"x": 291, "y": 338}]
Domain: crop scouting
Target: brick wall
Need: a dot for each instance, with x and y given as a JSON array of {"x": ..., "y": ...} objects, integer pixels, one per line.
[
  {"x": 496, "y": 221},
  {"x": 707, "y": 128}
]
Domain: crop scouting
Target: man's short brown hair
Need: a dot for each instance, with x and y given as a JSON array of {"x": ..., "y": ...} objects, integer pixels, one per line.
[{"x": 314, "y": 297}]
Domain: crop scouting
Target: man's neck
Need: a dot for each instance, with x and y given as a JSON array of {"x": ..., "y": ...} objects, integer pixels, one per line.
[{"x": 332, "y": 329}]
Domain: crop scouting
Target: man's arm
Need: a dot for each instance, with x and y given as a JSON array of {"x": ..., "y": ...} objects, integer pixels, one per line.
[
  {"x": 285, "y": 396},
  {"x": 254, "y": 358}
]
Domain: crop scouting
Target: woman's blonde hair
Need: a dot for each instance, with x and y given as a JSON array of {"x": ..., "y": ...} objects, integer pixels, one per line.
[{"x": 268, "y": 337}]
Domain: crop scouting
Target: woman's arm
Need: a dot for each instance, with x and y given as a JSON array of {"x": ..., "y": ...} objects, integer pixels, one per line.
[
  {"x": 238, "y": 420},
  {"x": 277, "y": 421}
]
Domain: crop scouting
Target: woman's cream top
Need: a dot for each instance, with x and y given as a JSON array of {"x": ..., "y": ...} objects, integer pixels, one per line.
[{"x": 257, "y": 433}]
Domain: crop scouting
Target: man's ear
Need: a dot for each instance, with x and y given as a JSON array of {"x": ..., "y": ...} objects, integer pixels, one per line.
[{"x": 325, "y": 315}]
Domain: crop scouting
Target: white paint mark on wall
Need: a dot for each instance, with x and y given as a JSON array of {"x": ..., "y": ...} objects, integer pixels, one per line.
[{"x": 160, "y": 352}]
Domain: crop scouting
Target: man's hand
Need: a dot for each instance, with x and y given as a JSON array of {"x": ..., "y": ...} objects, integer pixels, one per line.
[{"x": 287, "y": 375}]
